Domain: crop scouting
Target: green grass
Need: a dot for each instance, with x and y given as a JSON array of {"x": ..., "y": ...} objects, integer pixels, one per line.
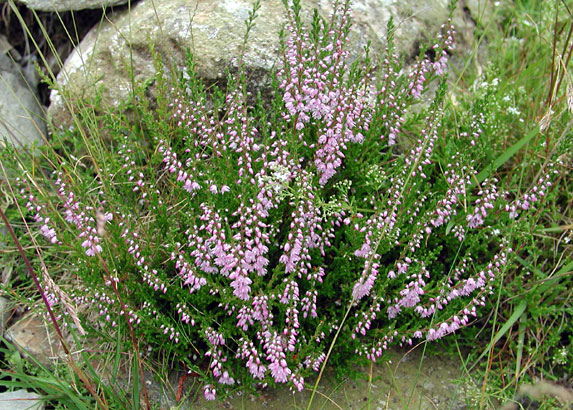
[{"x": 530, "y": 327}]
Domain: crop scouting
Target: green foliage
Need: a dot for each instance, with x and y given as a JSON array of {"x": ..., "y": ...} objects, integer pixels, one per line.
[{"x": 525, "y": 78}]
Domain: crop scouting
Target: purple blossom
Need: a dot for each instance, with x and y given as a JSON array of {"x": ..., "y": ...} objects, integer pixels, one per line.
[{"x": 209, "y": 392}]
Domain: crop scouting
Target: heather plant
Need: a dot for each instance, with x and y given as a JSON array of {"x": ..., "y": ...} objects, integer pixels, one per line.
[{"x": 255, "y": 242}]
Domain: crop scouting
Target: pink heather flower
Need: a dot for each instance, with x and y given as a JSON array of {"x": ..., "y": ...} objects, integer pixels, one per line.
[
  {"x": 254, "y": 364},
  {"x": 411, "y": 295},
  {"x": 52, "y": 299},
  {"x": 49, "y": 233},
  {"x": 362, "y": 287},
  {"x": 85, "y": 224},
  {"x": 309, "y": 303},
  {"x": 256, "y": 368},
  {"x": 215, "y": 338},
  {"x": 245, "y": 318},
  {"x": 402, "y": 268},
  {"x": 275, "y": 354},
  {"x": 280, "y": 371},
  {"x": 241, "y": 286},
  {"x": 393, "y": 311},
  {"x": 187, "y": 273},
  {"x": 91, "y": 243},
  {"x": 316, "y": 363},
  {"x": 191, "y": 186},
  {"x": 298, "y": 382},
  {"x": 365, "y": 250},
  {"x": 209, "y": 392},
  {"x": 226, "y": 379},
  {"x": 260, "y": 309},
  {"x": 475, "y": 220}
]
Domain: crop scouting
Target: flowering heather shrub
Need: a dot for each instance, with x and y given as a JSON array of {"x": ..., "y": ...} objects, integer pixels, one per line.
[{"x": 244, "y": 240}]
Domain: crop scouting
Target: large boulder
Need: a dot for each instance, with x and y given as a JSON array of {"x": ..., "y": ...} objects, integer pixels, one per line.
[
  {"x": 214, "y": 29},
  {"x": 69, "y": 5}
]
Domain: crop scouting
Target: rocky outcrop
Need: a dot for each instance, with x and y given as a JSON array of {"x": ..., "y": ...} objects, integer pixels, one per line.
[
  {"x": 115, "y": 55},
  {"x": 68, "y": 5}
]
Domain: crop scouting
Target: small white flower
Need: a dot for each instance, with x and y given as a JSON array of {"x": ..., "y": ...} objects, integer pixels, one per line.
[{"x": 513, "y": 111}]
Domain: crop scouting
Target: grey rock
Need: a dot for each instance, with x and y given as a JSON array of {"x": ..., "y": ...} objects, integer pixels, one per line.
[
  {"x": 6, "y": 49},
  {"x": 5, "y": 46},
  {"x": 21, "y": 116},
  {"x": 214, "y": 29},
  {"x": 5, "y": 310},
  {"x": 11, "y": 61},
  {"x": 21, "y": 400},
  {"x": 6, "y": 65},
  {"x": 33, "y": 337},
  {"x": 69, "y": 5}
]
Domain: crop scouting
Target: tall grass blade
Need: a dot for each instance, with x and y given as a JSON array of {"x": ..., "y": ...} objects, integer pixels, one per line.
[
  {"x": 505, "y": 156},
  {"x": 504, "y": 329}
]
